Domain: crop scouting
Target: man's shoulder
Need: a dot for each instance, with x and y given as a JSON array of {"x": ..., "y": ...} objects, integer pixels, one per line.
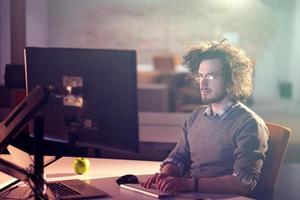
[
  {"x": 250, "y": 120},
  {"x": 246, "y": 113}
]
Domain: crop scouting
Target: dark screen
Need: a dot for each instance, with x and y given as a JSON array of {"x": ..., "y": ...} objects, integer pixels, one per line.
[{"x": 109, "y": 94}]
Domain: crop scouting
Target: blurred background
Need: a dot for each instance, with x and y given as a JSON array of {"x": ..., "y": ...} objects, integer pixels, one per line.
[{"x": 160, "y": 31}]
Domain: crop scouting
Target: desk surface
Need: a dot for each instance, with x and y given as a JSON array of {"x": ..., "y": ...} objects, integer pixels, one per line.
[
  {"x": 100, "y": 168},
  {"x": 104, "y": 172}
]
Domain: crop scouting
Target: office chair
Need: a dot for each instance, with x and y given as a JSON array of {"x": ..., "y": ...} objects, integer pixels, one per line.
[{"x": 278, "y": 142}]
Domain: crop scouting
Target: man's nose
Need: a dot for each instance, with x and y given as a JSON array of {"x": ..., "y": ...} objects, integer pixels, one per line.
[{"x": 203, "y": 82}]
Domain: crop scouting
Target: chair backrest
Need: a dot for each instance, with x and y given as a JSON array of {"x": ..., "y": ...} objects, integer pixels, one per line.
[{"x": 278, "y": 141}]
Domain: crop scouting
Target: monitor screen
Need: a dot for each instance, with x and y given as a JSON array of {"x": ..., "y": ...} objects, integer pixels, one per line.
[{"x": 96, "y": 100}]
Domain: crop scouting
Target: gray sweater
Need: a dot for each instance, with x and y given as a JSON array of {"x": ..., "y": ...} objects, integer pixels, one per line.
[{"x": 233, "y": 143}]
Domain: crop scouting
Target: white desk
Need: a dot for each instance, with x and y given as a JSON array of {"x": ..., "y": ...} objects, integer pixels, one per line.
[
  {"x": 100, "y": 168},
  {"x": 104, "y": 172}
]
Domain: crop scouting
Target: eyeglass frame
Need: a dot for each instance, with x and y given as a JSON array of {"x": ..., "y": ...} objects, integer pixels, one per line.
[{"x": 208, "y": 76}]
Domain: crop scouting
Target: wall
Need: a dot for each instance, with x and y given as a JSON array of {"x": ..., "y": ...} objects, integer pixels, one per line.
[
  {"x": 273, "y": 64},
  {"x": 294, "y": 57},
  {"x": 4, "y": 37},
  {"x": 266, "y": 29},
  {"x": 37, "y": 23},
  {"x": 155, "y": 27},
  {"x": 36, "y": 29}
]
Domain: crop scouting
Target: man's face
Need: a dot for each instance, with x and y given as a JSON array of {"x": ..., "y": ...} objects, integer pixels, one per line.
[{"x": 211, "y": 82}]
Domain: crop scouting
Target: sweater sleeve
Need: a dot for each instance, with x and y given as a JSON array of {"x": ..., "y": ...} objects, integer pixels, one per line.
[
  {"x": 180, "y": 155},
  {"x": 251, "y": 145}
]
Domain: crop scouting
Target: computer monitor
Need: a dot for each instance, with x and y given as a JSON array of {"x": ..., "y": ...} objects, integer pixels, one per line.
[{"x": 97, "y": 101}]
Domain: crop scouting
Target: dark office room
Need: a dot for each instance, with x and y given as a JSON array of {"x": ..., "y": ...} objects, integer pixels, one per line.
[{"x": 139, "y": 99}]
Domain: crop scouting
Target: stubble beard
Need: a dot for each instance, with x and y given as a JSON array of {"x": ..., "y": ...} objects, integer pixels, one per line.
[{"x": 216, "y": 99}]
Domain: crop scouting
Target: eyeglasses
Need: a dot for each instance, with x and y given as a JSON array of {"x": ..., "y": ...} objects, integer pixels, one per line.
[{"x": 209, "y": 76}]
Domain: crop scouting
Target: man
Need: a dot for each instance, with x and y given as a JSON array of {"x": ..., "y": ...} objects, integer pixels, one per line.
[{"x": 223, "y": 144}]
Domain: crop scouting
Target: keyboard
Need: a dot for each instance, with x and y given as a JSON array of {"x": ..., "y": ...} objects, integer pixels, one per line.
[
  {"x": 153, "y": 192},
  {"x": 74, "y": 189},
  {"x": 61, "y": 190}
]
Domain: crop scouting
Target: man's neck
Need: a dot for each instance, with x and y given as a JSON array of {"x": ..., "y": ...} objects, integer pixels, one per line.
[{"x": 217, "y": 107}]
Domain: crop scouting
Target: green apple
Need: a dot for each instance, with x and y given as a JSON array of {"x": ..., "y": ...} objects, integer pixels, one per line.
[{"x": 81, "y": 165}]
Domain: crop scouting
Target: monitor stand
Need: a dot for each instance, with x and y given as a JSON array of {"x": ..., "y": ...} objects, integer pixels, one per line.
[
  {"x": 39, "y": 188},
  {"x": 36, "y": 177},
  {"x": 12, "y": 125}
]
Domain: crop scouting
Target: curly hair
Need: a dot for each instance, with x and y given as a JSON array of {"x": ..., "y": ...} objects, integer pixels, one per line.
[{"x": 237, "y": 68}]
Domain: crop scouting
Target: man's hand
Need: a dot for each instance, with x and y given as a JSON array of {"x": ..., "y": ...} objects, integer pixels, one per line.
[
  {"x": 166, "y": 183},
  {"x": 175, "y": 184},
  {"x": 166, "y": 170},
  {"x": 169, "y": 181},
  {"x": 154, "y": 179}
]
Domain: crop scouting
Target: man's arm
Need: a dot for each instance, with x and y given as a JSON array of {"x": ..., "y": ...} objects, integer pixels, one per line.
[
  {"x": 170, "y": 169},
  {"x": 175, "y": 164},
  {"x": 169, "y": 180},
  {"x": 224, "y": 184}
]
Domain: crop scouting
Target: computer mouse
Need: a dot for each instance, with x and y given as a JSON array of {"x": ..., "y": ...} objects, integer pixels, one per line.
[{"x": 128, "y": 178}]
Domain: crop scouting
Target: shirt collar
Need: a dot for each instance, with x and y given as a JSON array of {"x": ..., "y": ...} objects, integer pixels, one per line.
[{"x": 221, "y": 114}]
